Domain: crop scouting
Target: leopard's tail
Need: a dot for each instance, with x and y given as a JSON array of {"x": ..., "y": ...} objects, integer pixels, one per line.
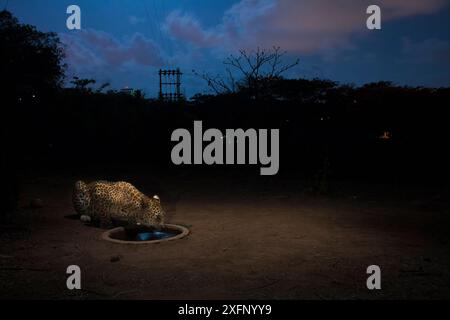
[{"x": 81, "y": 198}]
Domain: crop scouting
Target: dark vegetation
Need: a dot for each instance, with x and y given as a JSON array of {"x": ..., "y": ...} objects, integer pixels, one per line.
[{"x": 379, "y": 132}]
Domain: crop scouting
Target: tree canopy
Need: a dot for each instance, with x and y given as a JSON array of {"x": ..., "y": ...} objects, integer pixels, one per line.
[{"x": 30, "y": 60}]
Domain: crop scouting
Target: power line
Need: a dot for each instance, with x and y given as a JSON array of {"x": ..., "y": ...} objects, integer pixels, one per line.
[
  {"x": 149, "y": 21},
  {"x": 158, "y": 22},
  {"x": 165, "y": 13},
  {"x": 154, "y": 27}
]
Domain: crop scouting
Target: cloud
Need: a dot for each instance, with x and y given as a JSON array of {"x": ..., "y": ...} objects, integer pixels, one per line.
[
  {"x": 89, "y": 49},
  {"x": 187, "y": 27},
  {"x": 298, "y": 26}
]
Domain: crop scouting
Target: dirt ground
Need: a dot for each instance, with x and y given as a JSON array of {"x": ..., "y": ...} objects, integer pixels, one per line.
[{"x": 247, "y": 241}]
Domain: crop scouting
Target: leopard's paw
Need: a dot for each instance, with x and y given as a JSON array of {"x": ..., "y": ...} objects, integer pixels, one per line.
[{"x": 85, "y": 219}]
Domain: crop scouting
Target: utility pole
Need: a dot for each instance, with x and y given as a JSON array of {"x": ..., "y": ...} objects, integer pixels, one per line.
[{"x": 170, "y": 84}]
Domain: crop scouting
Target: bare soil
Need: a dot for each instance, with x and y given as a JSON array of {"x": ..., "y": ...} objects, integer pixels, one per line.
[{"x": 247, "y": 241}]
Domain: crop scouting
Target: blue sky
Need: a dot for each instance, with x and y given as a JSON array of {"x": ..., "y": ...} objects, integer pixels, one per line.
[{"x": 126, "y": 42}]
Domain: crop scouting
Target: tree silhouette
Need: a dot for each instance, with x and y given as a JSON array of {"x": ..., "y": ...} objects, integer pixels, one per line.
[
  {"x": 250, "y": 72},
  {"x": 30, "y": 60},
  {"x": 83, "y": 84}
]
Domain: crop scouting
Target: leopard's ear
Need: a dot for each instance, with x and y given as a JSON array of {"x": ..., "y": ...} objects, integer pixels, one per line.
[{"x": 156, "y": 198}]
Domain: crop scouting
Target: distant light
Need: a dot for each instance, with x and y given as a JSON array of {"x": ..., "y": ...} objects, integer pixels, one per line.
[{"x": 385, "y": 136}]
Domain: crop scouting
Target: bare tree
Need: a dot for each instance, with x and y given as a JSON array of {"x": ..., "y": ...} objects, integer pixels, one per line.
[{"x": 255, "y": 70}]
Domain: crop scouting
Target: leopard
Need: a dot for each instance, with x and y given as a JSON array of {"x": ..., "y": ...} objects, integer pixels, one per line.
[{"x": 105, "y": 202}]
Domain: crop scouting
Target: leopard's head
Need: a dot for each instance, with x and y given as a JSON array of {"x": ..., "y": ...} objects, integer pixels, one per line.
[{"x": 153, "y": 213}]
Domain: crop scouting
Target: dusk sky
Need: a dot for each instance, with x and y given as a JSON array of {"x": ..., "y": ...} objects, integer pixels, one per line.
[{"x": 126, "y": 42}]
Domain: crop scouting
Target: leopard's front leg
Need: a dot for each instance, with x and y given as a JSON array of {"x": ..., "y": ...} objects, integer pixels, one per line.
[{"x": 104, "y": 217}]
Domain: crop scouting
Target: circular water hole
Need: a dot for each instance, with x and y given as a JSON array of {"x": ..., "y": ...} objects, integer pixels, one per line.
[{"x": 145, "y": 235}]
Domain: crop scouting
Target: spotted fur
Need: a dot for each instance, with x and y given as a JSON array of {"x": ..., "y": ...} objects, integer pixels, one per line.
[{"x": 105, "y": 201}]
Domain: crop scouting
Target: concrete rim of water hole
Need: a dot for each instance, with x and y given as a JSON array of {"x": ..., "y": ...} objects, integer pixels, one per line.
[{"x": 113, "y": 234}]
